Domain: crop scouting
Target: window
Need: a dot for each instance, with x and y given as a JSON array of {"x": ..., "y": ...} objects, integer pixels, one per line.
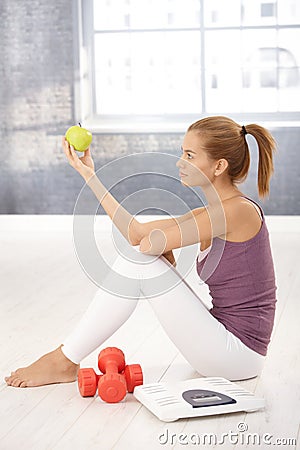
[{"x": 160, "y": 64}]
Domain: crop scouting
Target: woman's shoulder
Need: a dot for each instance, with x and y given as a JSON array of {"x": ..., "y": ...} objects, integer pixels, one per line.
[{"x": 243, "y": 218}]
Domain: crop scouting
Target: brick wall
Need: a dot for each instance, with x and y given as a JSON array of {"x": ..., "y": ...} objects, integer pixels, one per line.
[{"x": 36, "y": 107}]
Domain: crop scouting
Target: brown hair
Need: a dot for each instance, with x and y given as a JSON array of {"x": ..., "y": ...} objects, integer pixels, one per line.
[{"x": 224, "y": 138}]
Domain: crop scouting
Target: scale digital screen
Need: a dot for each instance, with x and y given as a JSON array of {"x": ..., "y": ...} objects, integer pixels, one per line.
[
  {"x": 206, "y": 398},
  {"x": 201, "y": 397}
]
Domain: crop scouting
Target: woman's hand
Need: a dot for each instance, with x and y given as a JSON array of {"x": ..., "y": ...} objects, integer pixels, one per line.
[{"x": 84, "y": 165}]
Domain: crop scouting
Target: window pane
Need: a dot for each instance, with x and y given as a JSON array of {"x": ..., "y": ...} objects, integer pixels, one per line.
[
  {"x": 148, "y": 73},
  {"x": 289, "y": 71},
  {"x": 288, "y": 12},
  {"x": 252, "y": 70},
  {"x": 138, "y": 14},
  {"x": 218, "y": 13},
  {"x": 260, "y": 70},
  {"x": 223, "y": 71},
  {"x": 258, "y": 12}
]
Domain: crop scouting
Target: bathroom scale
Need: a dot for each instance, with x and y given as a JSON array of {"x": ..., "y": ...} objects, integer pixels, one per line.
[{"x": 195, "y": 398}]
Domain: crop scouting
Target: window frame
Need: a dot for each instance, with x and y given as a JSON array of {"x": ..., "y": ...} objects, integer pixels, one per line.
[{"x": 85, "y": 98}]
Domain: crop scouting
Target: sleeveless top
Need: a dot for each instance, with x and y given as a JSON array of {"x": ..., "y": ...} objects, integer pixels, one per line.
[{"x": 241, "y": 281}]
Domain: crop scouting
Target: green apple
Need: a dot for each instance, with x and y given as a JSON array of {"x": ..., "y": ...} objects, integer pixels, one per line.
[{"x": 79, "y": 137}]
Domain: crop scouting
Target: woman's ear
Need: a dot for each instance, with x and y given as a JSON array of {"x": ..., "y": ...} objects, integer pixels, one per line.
[{"x": 221, "y": 166}]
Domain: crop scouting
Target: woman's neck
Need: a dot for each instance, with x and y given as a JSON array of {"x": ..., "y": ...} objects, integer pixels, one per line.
[{"x": 215, "y": 194}]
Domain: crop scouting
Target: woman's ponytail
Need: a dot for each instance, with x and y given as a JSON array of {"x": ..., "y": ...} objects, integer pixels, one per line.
[{"x": 266, "y": 147}]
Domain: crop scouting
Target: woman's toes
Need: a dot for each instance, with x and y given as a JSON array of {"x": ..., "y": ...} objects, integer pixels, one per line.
[
  {"x": 10, "y": 377},
  {"x": 16, "y": 382},
  {"x": 9, "y": 380}
]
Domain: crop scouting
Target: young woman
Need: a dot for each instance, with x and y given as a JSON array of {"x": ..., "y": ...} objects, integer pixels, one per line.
[{"x": 231, "y": 338}]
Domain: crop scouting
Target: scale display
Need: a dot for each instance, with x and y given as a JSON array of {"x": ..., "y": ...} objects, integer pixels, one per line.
[
  {"x": 196, "y": 397},
  {"x": 202, "y": 397}
]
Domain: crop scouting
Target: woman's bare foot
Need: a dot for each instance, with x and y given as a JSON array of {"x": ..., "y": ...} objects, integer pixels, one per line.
[{"x": 54, "y": 367}]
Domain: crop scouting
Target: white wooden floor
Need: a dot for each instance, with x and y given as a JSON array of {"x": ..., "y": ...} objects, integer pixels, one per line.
[{"x": 43, "y": 294}]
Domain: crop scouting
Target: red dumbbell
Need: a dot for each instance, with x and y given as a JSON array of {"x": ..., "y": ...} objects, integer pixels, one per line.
[
  {"x": 134, "y": 376},
  {"x": 113, "y": 389},
  {"x": 87, "y": 382},
  {"x": 117, "y": 378},
  {"x": 112, "y": 385}
]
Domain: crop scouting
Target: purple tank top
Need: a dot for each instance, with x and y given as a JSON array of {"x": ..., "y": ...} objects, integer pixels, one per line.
[{"x": 241, "y": 281}]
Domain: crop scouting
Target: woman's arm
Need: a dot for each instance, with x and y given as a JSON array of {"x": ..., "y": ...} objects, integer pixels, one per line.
[
  {"x": 210, "y": 222},
  {"x": 163, "y": 224},
  {"x": 131, "y": 228}
]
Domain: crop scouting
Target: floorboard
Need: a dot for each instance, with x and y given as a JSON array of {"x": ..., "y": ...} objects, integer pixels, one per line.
[{"x": 44, "y": 292}]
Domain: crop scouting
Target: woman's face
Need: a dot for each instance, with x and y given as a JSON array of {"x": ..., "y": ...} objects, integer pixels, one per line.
[{"x": 195, "y": 167}]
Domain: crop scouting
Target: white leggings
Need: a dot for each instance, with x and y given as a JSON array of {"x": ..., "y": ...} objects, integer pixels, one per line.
[{"x": 203, "y": 341}]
